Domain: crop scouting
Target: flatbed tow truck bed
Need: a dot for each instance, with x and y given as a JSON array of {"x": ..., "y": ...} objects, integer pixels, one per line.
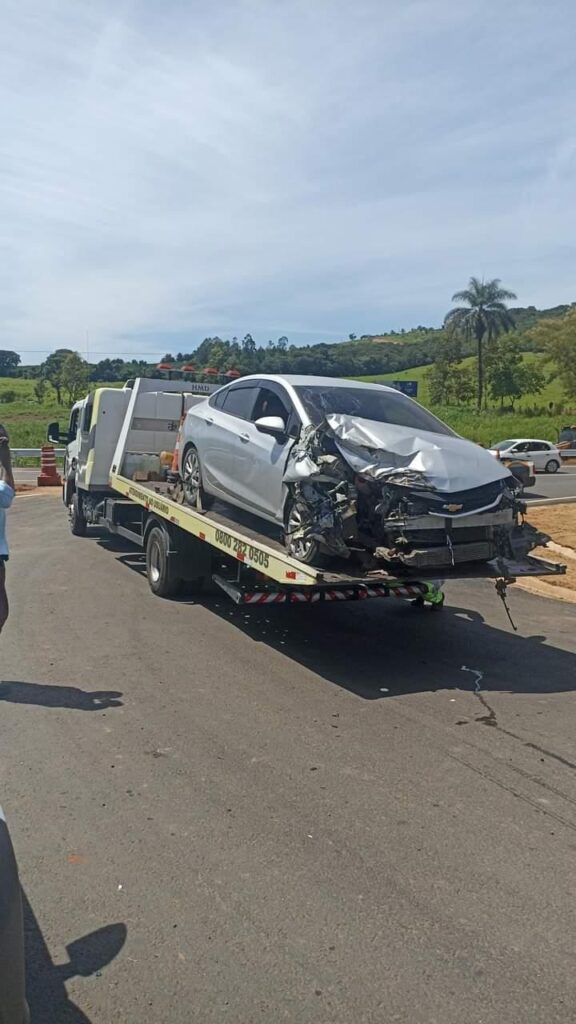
[{"x": 244, "y": 557}]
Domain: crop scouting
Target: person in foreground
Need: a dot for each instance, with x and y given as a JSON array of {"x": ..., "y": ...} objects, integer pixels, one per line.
[{"x": 7, "y": 493}]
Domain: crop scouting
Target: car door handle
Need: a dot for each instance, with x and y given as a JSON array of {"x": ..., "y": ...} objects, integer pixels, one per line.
[
  {"x": 244, "y": 438},
  {"x": 209, "y": 421}
]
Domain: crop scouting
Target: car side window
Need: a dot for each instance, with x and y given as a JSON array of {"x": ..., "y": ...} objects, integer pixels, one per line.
[
  {"x": 275, "y": 402},
  {"x": 269, "y": 403},
  {"x": 239, "y": 401},
  {"x": 217, "y": 400},
  {"x": 523, "y": 447}
]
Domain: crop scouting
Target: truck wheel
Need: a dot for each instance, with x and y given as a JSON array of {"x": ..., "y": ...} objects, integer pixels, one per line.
[
  {"x": 161, "y": 581},
  {"x": 77, "y": 517},
  {"x": 552, "y": 467},
  {"x": 192, "y": 480}
]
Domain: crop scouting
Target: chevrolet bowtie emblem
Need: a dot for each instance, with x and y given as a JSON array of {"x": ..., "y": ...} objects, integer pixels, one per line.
[{"x": 453, "y": 508}]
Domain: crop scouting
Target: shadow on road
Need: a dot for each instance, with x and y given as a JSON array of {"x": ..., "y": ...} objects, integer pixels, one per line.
[
  {"x": 386, "y": 648},
  {"x": 49, "y": 695},
  {"x": 45, "y": 981}
]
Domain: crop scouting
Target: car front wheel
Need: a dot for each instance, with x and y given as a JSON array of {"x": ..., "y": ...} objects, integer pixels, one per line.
[
  {"x": 297, "y": 522},
  {"x": 552, "y": 467}
]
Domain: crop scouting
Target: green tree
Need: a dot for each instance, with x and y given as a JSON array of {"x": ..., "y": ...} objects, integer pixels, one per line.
[
  {"x": 40, "y": 389},
  {"x": 508, "y": 376},
  {"x": 75, "y": 376},
  {"x": 9, "y": 362},
  {"x": 557, "y": 338},
  {"x": 484, "y": 318},
  {"x": 462, "y": 385},
  {"x": 441, "y": 376},
  {"x": 52, "y": 370}
]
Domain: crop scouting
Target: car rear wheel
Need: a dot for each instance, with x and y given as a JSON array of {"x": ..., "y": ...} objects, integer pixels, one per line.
[
  {"x": 194, "y": 493},
  {"x": 552, "y": 467}
]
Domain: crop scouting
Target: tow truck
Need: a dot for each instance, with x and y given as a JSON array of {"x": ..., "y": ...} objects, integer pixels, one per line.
[{"x": 118, "y": 474}]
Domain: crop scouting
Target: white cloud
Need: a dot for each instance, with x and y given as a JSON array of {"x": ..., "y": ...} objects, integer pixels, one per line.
[{"x": 310, "y": 169}]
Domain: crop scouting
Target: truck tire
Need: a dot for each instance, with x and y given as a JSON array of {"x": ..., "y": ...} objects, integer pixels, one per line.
[
  {"x": 160, "y": 578},
  {"x": 77, "y": 518}
]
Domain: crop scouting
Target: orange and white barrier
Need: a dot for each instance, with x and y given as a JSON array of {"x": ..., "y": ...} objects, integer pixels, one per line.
[{"x": 49, "y": 475}]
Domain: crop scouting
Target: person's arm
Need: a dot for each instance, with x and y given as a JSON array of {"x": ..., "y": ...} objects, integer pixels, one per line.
[{"x": 6, "y": 474}]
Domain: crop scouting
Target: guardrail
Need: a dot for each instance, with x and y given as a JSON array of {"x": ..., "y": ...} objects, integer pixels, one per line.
[{"x": 34, "y": 453}]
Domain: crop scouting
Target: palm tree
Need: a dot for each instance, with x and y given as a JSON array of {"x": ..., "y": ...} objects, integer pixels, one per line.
[{"x": 484, "y": 317}]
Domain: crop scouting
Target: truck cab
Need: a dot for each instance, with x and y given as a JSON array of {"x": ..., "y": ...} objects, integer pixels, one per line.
[
  {"x": 90, "y": 441},
  {"x": 105, "y": 420}
]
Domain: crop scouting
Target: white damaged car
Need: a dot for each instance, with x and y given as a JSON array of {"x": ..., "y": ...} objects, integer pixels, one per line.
[{"x": 348, "y": 468}]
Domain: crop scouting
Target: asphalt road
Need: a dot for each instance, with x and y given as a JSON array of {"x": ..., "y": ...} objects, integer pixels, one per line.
[
  {"x": 554, "y": 485},
  {"x": 295, "y": 814}
]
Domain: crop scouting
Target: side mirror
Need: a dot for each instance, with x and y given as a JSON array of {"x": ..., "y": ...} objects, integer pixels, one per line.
[
  {"x": 54, "y": 433},
  {"x": 273, "y": 425}
]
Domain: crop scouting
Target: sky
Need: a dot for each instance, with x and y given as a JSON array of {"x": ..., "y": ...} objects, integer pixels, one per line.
[{"x": 174, "y": 169}]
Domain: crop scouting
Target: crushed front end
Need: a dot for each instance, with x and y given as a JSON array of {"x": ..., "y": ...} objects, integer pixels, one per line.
[{"x": 394, "y": 499}]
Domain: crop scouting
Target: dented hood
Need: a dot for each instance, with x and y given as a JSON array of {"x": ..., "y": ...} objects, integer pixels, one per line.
[{"x": 386, "y": 451}]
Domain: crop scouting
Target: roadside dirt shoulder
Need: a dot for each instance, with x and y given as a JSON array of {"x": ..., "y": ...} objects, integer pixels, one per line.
[{"x": 559, "y": 522}]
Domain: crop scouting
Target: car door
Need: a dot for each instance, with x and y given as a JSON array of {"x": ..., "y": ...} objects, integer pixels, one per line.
[
  {"x": 518, "y": 450},
  {"x": 264, "y": 456},
  {"x": 221, "y": 451},
  {"x": 536, "y": 452}
]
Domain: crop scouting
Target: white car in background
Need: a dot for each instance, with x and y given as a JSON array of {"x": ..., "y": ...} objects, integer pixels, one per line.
[{"x": 543, "y": 454}]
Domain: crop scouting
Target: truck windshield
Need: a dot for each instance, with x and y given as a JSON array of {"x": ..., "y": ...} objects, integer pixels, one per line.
[{"x": 366, "y": 403}]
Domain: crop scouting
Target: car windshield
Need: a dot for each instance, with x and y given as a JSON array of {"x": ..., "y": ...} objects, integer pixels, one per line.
[
  {"x": 366, "y": 403},
  {"x": 503, "y": 445}
]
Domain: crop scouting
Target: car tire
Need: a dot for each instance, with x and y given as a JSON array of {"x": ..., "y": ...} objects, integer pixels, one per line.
[
  {"x": 303, "y": 551},
  {"x": 552, "y": 467},
  {"x": 192, "y": 480},
  {"x": 78, "y": 524}
]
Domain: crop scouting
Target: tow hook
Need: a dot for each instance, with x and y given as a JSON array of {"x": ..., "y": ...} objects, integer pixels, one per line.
[{"x": 501, "y": 588}]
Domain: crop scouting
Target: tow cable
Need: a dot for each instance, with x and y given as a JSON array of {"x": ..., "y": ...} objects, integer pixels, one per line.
[{"x": 501, "y": 587}]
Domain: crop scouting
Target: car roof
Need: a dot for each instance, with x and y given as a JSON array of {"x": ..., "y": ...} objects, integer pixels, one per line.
[
  {"x": 521, "y": 440},
  {"x": 301, "y": 379}
]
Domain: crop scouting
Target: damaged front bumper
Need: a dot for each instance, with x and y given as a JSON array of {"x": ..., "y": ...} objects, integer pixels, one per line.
[{"x": 395, "y": 509}]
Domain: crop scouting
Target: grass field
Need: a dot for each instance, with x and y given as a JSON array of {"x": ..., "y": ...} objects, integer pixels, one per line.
[{"x": 25, "y": 418}]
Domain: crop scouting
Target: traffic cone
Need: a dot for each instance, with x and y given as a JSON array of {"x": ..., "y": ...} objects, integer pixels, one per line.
[
  {"x": 175, "y": 467},
  {"x": 49, "y": 475}
]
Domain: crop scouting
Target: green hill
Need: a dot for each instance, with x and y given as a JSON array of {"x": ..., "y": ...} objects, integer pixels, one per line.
[{"x": 551, "y": 393}]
